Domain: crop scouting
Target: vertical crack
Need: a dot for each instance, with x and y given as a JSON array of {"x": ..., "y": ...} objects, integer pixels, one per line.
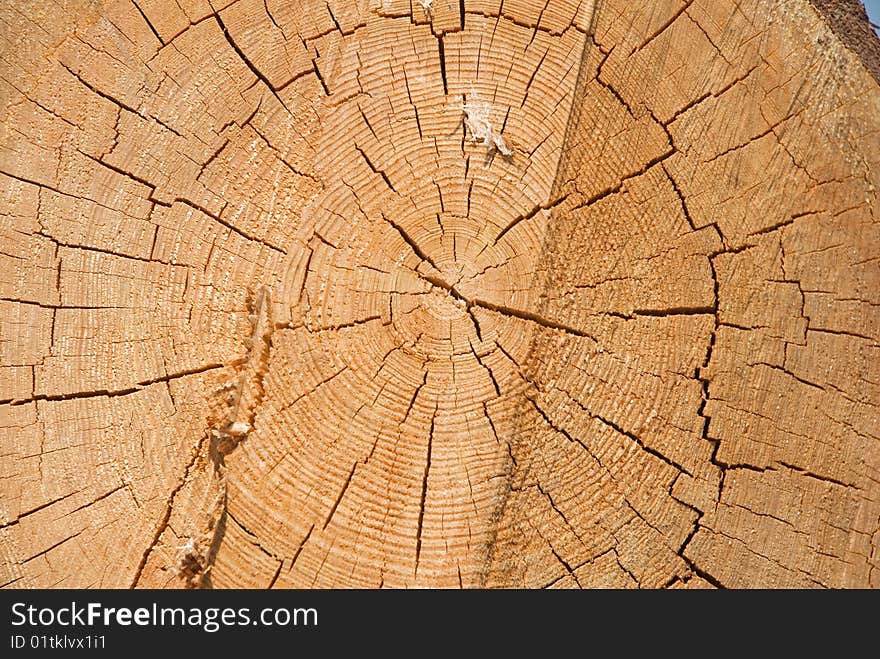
[{"x": 425, "y": 486}]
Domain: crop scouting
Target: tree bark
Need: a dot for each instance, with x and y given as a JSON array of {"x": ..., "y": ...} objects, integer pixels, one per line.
[{"x": 451, "y": 294}]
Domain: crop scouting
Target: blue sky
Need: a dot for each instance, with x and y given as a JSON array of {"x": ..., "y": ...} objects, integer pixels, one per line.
[{"x": 873, "y": 7}]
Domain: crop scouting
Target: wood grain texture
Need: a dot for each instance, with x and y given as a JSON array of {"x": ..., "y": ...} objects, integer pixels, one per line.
[{"x": 381, "y": 293}]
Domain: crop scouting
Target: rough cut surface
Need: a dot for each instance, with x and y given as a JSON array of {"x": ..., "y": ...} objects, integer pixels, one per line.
[{"x": 440, "y": 293}]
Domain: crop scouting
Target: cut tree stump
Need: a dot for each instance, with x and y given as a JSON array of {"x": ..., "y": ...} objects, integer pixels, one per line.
[{"x": 439, "y": 293}]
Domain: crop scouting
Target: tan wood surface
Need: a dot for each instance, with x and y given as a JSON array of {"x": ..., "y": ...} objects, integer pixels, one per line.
[{"x": 436, "y": 293}]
